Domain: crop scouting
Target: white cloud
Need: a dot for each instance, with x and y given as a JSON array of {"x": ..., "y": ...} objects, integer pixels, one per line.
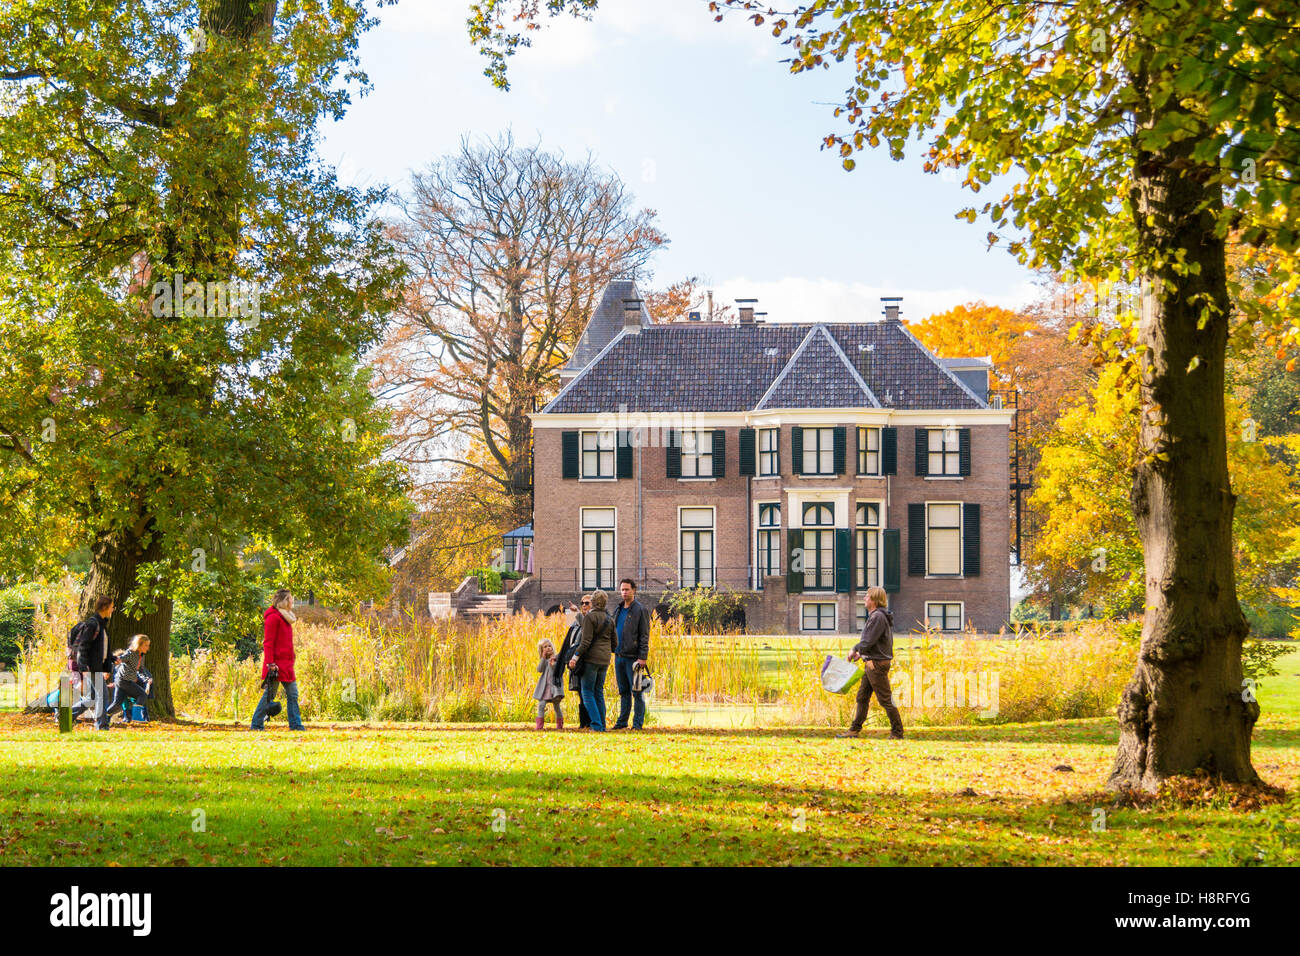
[{"x": 798, "y": 299}]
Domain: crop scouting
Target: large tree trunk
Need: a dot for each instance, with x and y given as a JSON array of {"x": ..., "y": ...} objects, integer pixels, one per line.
[
  {"x": 1184, "y": 711},
  {"x": 114, "y": 562}
]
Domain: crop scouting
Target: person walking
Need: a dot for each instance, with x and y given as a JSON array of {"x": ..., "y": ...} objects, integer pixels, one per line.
[
  {"x": 568, "y": 647},
  {"x": 277, "y": 660},
  {"x": 593, "y": 654},
  {"x": 876, "y": 648},
  {"x": 632, "y": 626},
  {"x": 93, "y": 661},
  {"x": 128, "y": 681}
]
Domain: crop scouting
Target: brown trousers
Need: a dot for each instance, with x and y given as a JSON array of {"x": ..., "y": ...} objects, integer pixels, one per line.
[{"x": 875, "y": 680}]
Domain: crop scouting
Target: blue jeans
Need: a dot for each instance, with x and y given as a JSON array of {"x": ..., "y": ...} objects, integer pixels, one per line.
[
  {"x": 290, "y": 704},
  {"x": 623, "y": 674},
  {"x": 592, "y": 684}
]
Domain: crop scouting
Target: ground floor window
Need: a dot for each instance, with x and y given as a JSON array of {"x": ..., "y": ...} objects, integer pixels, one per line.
[
  {"x": 697, "y": 547},
  {"x": 944, "y": 615},
  {"x": 769, "y": 542},
  {"x": 598, "y": 548},
  {"x": 868, "y": 545},
  {"x": 818, "y": 617}
]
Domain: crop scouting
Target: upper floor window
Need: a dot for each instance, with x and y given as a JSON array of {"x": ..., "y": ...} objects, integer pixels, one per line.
[
  {"x": 769, "y": 454},
  {"x": 868, "y": 451},
  {"x": 944, "y": 451},
  {"x": 598, "y": 454},
  {"x": 818, "y": 451},
  {"x": 697, "y": 454}
]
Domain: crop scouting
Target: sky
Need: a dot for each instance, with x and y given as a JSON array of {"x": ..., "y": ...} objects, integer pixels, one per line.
[{"x": 709, "y": 128}]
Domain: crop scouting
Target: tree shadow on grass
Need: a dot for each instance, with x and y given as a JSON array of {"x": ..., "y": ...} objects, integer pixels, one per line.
[{"x": 352, "y": 814}]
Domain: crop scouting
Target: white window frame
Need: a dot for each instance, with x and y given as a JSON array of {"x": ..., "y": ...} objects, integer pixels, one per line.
[
  {"x": 583, "y": 530},
  {"x": 766, "y": 530},
  {"x": 712, "y": 529},
  {"x": 859, "y": 532},
  {"x": 961, "y": 538},
  {"x": 771, "y": 455},
  {"x": 599, "y": 453},
  {"x": 961, "y": 615},
  {"x": 864, "y": 456},
  {"x": 835, "y": 617},
  {"x": 813, "y": 567},
  {"x": 695, "y": 457},
  {"x": 826, "y": 451},
  {"x": 946, "y": 452}
]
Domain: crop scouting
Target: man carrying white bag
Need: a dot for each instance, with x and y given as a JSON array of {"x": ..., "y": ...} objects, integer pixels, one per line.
[{"x": 876, "y": 648}]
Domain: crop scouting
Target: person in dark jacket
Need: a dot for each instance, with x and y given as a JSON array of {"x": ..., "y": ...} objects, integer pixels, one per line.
[
  {"x": 876, "y": 648},
  {"x": 593, "y": 655},
  {"x": 632, "y": 625},
  {"x": 277, "y": 661},
  {"x": 568, "y": 647},
  {"x": 93, "y": 661}
]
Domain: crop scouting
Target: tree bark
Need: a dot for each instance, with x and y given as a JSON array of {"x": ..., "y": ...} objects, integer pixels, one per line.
[
  {"x": 115, "y": 559},
  {"x": 1184, "y": 710}
]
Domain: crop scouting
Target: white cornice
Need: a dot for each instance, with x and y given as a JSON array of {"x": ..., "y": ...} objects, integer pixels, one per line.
[{"x": 825, "y": 417}]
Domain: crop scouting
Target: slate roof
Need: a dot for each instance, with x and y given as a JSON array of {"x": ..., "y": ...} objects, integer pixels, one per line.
[
  {"x": 818, "y": 375},
  {"x": 688, "y": 367},
  {"x": 605, "y": 324}
]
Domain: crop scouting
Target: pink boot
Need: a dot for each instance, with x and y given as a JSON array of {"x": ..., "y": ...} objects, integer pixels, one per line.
[
  {"x": 559, "y": 721},
  {"x": 540, "y": 722}
]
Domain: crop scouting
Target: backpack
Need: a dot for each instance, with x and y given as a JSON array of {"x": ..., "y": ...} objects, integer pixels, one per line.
[{"x": 81, "y": 635}]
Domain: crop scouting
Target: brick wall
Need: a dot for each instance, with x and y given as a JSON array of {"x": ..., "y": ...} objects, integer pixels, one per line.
[{"x": 647, "y": 534}]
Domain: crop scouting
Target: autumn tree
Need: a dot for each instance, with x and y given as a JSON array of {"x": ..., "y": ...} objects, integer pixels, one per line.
[
  {"x": 185, "y": 294},
  {"x": 1134, "y": 138},
  {"x": 509, "y": 248}
]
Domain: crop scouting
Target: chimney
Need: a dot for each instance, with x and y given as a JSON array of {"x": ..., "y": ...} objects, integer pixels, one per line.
[
  {"x": 745, "y": 308},
  {"x": 632, "y": 316},
  {"x": 892, "y": 307}
]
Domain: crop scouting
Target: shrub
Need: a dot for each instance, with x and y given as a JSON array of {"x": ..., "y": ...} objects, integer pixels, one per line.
[
  {"x": 17, "y": 623},
  {"x": 707, "y": 609},
  {"x": 489, "y": 580}
]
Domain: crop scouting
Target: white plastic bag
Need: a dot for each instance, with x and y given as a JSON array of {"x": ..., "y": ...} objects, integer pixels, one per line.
[{"x": 838, "y": 675}]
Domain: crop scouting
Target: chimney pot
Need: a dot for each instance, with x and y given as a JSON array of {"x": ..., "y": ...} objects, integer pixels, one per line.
[
  {"x": 892, "y": 307},
  {"x": 745, "y": 308},
  {"x": 632, "y": 315}
]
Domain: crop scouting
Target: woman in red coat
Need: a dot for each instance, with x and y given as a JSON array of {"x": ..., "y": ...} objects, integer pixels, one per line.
[{"x": 277, "y": 661}]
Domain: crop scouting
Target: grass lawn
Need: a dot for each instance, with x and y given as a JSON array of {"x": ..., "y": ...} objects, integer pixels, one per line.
[
  {"x": 721, "y": 793},
  {"x": 431, "y": 795}
]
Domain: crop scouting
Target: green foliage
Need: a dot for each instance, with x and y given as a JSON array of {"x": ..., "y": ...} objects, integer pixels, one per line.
[
  {"x": 1259, "y": 658},
  {"x": 706, "y": 609},
  {"x": 135, "y": 158},
  {"x": 17, "y": 623},
  {"x": 489, "y": 580}
]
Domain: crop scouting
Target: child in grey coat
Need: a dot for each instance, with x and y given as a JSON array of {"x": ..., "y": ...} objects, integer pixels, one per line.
[{"x": 550, "y": 686}]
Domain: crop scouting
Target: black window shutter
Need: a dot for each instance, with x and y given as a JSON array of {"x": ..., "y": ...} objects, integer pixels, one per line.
[
  {"x": 674, "y": 454},
  {"x": 719, "y": 453},
  {"x": 916, "y": 539},
  {"x": 569, "y": 454},
  {"x": 841, "y": 448},
  {"x": 893, "y": 577},
  {"x": 776, "y": 449},
  {"x": 843, "y": 560},
  {"x": 963, "y": 453},
  {"x": 889, "y": 451},
  {"x": 624, "y": 455},
  {"x": 747, "y": 456},
  {"x": 794, "y": 578},
  {"x": 922, "y": 451},
  {"x": 796, "y": 449},
  {"x": 970, "y": 540}
]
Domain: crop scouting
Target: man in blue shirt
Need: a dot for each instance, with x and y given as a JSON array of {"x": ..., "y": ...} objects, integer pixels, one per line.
[{"x": 632, "y": 623}]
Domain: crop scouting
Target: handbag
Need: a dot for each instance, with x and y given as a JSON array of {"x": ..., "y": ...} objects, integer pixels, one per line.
[
  {"x": 642, "y": 681},
  {"x": 838, "y": 675}
]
